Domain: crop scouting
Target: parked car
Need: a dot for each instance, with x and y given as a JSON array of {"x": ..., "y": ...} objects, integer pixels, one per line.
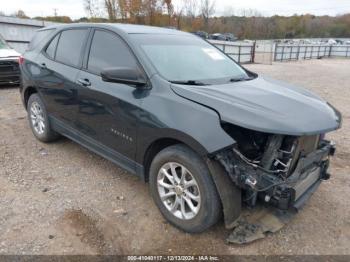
[
  {"x": 205, "y": 133},
  {"x": 339, "y": 42},
  {"x": 202, "y": 34},
  {"x": 230, "y": 37},
  {"x": 331, "y": 42},
  {"x": 9, "y": 69},
  {"x": 223, "y": 37},
  {"x": 218, "y": 36}
]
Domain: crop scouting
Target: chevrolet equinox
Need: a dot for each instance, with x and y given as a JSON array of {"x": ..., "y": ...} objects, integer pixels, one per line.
[{"x": 205, "y": 133}]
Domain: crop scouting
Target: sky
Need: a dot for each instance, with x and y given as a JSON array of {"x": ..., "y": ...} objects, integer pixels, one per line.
[{"x": 75, "y": 9}]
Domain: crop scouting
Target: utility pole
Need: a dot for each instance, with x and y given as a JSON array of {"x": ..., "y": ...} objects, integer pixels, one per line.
[{"x": 55, "y": 11}]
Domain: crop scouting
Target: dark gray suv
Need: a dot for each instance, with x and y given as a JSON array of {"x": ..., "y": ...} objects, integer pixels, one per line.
[{"x": 207, "y": 134}]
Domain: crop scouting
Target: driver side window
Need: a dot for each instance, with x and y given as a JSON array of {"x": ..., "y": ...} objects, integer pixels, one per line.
[{"x": 108, "y": 50}]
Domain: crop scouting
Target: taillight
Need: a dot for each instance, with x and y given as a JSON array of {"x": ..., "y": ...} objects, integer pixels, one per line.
[{"x": 21, "y": 60}]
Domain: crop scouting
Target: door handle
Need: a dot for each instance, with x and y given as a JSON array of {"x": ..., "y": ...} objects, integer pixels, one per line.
[
  {"x": 43, "y": 66},
  {"x": 84, "y": 82}
]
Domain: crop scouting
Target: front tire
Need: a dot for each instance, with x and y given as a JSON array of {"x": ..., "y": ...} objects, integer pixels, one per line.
[
  {"x": 39, "y": 120},
  {"x": 183, "y": 190}
]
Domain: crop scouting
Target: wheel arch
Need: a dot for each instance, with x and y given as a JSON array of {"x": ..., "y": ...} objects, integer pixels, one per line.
[
  {"x": 159, "y": 143},
  {"x": 229, "y": 193},
  {"x": 27, "y": 93}
]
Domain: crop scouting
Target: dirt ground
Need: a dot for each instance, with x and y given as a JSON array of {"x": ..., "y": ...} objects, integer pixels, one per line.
[{"x": 60, "y": 198}]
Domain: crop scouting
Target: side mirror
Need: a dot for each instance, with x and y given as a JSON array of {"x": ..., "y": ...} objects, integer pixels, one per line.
[{"x": 123, "y": 75}]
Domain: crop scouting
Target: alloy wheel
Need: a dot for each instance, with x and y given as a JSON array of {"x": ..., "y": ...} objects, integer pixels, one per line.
[
  {"x": 37, "y": 118},
  {"x": 178, "y": 190}
]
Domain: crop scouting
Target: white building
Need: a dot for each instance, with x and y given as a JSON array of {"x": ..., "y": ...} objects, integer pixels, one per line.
[{"x": 18, "y": 32}]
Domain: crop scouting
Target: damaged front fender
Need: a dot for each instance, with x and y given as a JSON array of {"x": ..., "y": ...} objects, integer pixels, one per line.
[{"x": 229, "y": 193}]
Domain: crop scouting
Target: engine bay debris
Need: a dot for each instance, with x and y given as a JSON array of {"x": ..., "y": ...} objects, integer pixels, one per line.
[{"x": 257, "y": 223}]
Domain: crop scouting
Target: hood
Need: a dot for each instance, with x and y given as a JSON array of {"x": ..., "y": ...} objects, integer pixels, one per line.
[
  {"x": 7, "y": 53},
  {"x": 266, "y": 105}
]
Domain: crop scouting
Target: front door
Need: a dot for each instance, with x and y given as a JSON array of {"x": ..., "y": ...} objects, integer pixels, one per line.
[{"x": 108, "y": 112}]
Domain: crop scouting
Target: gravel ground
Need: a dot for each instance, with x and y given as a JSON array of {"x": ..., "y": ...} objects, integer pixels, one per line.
[{"x": 60, "y": 198}]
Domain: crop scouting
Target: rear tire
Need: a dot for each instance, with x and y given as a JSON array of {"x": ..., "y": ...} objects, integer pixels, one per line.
[
  {"x": 192, "y": 205},
  {"x": 39, "y": 121}
]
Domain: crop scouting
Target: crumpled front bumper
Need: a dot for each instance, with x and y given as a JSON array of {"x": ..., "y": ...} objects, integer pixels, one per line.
[
  {"x": 310, "y": 171},
  {"x": 278, "y": 191}
]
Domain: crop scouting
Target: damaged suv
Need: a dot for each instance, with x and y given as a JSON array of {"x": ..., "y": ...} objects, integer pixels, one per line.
[{"x": 207, "y": 134}]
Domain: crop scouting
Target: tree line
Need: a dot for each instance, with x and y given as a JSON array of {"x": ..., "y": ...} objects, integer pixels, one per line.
[{"x": 199, "y": 15}]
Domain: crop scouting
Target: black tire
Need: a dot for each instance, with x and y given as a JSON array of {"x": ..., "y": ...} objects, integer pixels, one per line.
[
  {"x": 48, "y": 134},
  {"x": 210, "y": 209}
]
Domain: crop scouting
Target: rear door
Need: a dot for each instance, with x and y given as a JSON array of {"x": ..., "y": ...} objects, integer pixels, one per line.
[
  {"x": 59, "y": 65},
  {"x": 108, "y": 112}
]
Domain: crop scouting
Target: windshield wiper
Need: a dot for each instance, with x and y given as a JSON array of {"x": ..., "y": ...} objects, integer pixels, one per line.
[
  {"x": 189, "y": 82},
  {"x": 239, "y": 79}
]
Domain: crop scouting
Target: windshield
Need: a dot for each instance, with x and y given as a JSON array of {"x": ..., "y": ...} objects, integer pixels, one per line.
[{"x": 186, "y": 58}]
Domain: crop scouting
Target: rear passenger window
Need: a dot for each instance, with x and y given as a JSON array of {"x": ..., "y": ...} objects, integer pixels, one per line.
[
  {"x": 70, "y": 46},
  {"x": 108, "y": 50},
  {"x": 51, "y": 48}
]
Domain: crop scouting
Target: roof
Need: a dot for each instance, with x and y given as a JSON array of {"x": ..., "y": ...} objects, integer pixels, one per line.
[
  {"x": 128, "y": 28},
  {"x": 144, "y": 29}
]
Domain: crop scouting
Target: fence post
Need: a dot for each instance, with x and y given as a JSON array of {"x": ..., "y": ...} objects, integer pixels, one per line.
[
  {"x": 239, "y": 54},
  {"x": 318, "y": 53},
  {"x": 347, "y": 51},
  {"x": 275, "y": 53},
  {"x": 306, "y": 47},
  {"x": 298, "y": 52},
  {"x": 282, "y": 53},
  {"x": 311, "y": 53},
  {"x": 330, "y": 51},
  {"x": 252, "y": 53}
]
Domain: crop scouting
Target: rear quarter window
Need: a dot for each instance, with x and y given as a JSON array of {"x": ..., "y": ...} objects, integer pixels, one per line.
[
  {"x": 38, "y": 37},
  {"x": 51, "y": 48}
]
